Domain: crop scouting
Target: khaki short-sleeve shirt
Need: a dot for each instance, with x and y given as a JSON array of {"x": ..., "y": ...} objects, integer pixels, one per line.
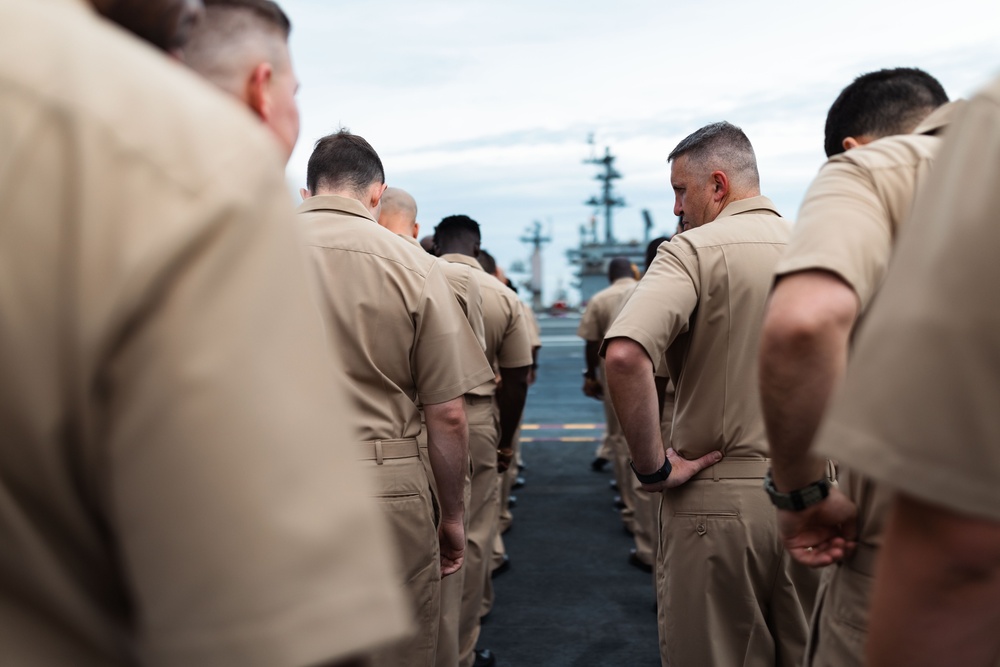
[
  {"x": 701, "y": 304},
  {"x": 848, "y": 225},
  {"x": 466, "y": 290},
  {"x": 603, "y": 308},
  {"x": 391, "y": 317},
  {"x": 918, "y": 409},
  {"x": 171, "y": 492},
  {"x": 507, "y": 341}
]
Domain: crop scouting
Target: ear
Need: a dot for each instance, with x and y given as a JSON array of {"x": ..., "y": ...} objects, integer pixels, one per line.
[
  {"x": 720, "y": 185},
  {"x": 259, "y": 91},
  {"x": 416, "y": 230},
  {"x": 376, "y": 195},
  {"x": 304, "y": 193},
  {"x": 853, "y": 142}
]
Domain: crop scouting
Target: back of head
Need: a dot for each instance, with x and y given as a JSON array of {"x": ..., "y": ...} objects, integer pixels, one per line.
[
  {"x": 343, "y": 163},
  {"x": 457, "y": 233},
  {"x": 652, "y": 248},
  {"x": 880, "y": 104},
  {"x": 399, "y": 212},
  {"x": 487, "y": 261},
  {"x": 723, "y": 147},
  {"x": 233, "y": 36},
  {"x": 166, "y": 24},
  {"x": 619, "y": 267}
]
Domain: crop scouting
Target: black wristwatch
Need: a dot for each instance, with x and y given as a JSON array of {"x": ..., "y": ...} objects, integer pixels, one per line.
[
  {"x": 660, "y": 475},
  {"x": 799, "y": 499}
]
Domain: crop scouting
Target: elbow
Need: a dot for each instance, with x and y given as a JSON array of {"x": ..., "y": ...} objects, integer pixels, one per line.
[
  {"x": 448, "y": 416},
  {"x": 624, "y": 357}
]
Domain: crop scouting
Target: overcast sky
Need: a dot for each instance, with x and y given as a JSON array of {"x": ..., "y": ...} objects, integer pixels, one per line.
[{"x": 484, "y": 108}]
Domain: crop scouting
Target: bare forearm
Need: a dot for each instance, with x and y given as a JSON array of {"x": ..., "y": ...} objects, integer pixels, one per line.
[
  {"x": 448, "y": 448},
  {"x": 804, "y": 344},
  {"x": 593, "y": 357},
  {"x": 937, "y": 593},
  {"x": 633, "y": 394},
  {"x": 511, "y": 395}
]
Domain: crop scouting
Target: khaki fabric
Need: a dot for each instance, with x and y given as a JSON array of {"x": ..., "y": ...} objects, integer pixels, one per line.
[
  {"x": 507, "y": 346},
  {"x": 849, "y": 222},
  {"x": 396, "y": 326},
  {"x": 700, "y": 304},
  {"x": 407, "y": 334},
  {"x": 919, "y": 414},
  {"x": 726, "y": 593},
  {"x": 597, "y": 317},
  {"x": 466, "y": 289},
  {"x": 507, "y": 332},
  {"x": 175, "y": 485},
  {"x": 535, "y": 330}
]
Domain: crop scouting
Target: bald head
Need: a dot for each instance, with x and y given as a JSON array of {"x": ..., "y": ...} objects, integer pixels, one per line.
[
  {"x": 399, "y": 213},
  {"x": 241, "y": 46}
]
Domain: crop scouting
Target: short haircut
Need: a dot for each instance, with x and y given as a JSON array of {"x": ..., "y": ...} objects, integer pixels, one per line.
[
  {"x": 619, "y": 267},
  {"x": 344, "y": 162},
  {"x": 880, "y": 104},
  {"x": 652, "y": 248},
  {"x": 487, "y": 261},
  {"x": 456, "y": 227},
  {"x": 233, "y": 37},
  {"x": 721, "y": 146}
]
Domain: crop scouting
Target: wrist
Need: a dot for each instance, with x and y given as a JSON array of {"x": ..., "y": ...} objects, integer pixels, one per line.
[
  {"x": 654, "y": 477},
  {"x": 798, "y": 499},
  {"x": 787, "y": 476}
]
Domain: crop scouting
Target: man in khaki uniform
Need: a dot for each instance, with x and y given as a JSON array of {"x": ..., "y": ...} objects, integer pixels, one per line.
[
  {"x": 398, "y": 214},
  {"x": 171, "y": 490},
  {"x": 918, "y": 412},
  {"x": 833, "y": 268},
  {"x": 242, "y": 47},
  {"x": 396, "y": 327},
  {"x": 727, "y": 593},
  {"x": 508, "y": 349},
  {"x": 595, "y": 322}
]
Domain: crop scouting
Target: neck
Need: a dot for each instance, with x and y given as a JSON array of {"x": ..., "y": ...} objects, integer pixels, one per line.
[{"x": 456, "y": 249}]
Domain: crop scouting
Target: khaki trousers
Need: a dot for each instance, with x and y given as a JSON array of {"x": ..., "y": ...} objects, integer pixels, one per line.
[
  {"x": 451, "y": 586},
  {"x": 482, "y": 514},
  {"x": 403, "y": 492},
  {"x": 728, "y": 595},
  {"x": 840, "y": 621}
]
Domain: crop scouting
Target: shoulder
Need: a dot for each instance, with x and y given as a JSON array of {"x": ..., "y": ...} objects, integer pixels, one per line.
[
  {"x": 903, "y": 151},
  {"x": 734, "y": 230}
]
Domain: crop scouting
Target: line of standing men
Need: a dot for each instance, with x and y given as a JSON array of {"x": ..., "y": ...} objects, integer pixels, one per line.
[{"x": 728, "y": 594}]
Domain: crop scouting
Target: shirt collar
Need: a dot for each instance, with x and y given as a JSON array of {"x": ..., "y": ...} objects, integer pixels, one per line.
[
  {"x": 623, "y": 281},
  {"x": 459, "y": 258},
  {"x": 750, "y": 204},
  {"x": 344, "y": 205}
]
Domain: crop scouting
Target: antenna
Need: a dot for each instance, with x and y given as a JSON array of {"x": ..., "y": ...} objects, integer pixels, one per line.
[
  {"x": 607, "y": 199},
  {"x": 535, "y": 238}
]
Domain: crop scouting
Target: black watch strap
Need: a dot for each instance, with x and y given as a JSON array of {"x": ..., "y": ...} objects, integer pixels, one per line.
[
  {"x": 799, "y": 499},
  {"x": 660, "y": 475}
]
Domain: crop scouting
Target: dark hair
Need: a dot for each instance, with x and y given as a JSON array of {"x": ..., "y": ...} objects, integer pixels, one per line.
[
  {"x": 266, "y": 10},
  {"x": 882, "y": 103},
  {"x": 720, "y": 145},
  {"x": 652, "y": 248},
  {"x": 619, "y": 267},
  {"x": 343, "y": 161},
  {"x": 487, "y": 262},
  {"x": 455, "y": 227}
]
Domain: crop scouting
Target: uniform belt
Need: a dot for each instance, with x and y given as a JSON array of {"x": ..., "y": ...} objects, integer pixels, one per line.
[
  {"x": 472, "y": 399},
  {"x": 379, "y": 450},
  {"x": 735, "y": 469},
  {"x": 864, "y": 559}
]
